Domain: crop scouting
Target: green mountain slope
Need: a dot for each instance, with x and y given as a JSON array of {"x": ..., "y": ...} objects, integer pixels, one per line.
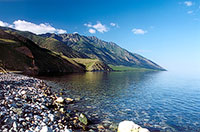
[
  {"x": 89, "y": 64},
  {"x": 21, "y": 54},
  {"x": 49, "y": 43},
  {"x": 107, "y": 52},
  {"x": 93, "y": 64}
]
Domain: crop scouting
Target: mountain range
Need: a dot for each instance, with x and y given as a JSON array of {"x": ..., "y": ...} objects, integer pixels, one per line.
[{"x": 70, "y": 52}]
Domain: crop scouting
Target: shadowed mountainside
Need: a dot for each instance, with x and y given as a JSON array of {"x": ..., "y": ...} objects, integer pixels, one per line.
[
  {"x": 21, "y": 54},
  {"x": 48, "y": 43}
]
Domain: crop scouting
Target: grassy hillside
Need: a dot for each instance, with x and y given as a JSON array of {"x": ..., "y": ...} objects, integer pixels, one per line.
[
  {"x": 87, "y": 64},
  {"x": 93, "y": 64},
  {"x": 21, "y": 54},
  {"x": 126, "y": 68},
  {"x": 48, "y": 43},
  {"x": 108, "y": 52}
]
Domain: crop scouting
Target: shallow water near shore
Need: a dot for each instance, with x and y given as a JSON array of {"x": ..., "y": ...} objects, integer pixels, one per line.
[{"x": 159, "y": 101}]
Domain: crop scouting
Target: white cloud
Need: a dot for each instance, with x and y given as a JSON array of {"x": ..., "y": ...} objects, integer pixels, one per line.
[
  {"x": 188, "y": 3},
  {"x": 189, "y": 12},
  {"x": 138, "y": 31},
  {"x": 99, "y": 27},
  {"x": 75, "y": 32},
  {"x": 38, "y": 29},
  {"x": 42, "y": 28},
  {"x": 5, "y": 24},
  {"x": 92, "y": 31},
  {"x": 61, "y": 31}
]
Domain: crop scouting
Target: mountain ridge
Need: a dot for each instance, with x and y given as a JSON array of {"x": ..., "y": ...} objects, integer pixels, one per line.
[
  {"x": 89, "y": 47},
  {"x": 107, "y": 52}
]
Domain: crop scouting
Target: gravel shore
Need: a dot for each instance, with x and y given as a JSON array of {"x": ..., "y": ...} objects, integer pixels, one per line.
[
  {"x": 28, "y": 105},
  {"x": 25, "y": 105}
]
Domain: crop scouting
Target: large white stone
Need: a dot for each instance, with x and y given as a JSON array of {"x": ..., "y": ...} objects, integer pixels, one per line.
[
  {"x": 67, "y": 130},
  {"x": 46, "y": 129},
  {"x": 143, "y": 130},
  {"x": 129, "y": 126},
  {"x": 37, "y": 129}
]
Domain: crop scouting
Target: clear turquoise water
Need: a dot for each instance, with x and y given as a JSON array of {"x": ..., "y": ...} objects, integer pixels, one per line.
[{"x": 160, "y": 101}]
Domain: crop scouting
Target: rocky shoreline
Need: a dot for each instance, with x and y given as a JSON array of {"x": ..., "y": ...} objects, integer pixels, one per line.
[{"x": 27, "y": 104}]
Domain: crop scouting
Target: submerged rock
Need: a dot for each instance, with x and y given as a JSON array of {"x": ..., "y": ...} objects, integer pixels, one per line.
[
  {"x": 129, "y": 126},
  {"x": 83, "y": 119}
]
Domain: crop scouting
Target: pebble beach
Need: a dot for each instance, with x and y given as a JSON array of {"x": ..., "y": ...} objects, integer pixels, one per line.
[{"x": 27, "y": 104}]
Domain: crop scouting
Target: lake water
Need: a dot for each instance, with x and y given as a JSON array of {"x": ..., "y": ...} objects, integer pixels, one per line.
[{"x": 159, "y": 101}]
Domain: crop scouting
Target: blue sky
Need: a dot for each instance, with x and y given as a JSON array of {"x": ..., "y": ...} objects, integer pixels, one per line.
[{"x": 165, "y": 31}]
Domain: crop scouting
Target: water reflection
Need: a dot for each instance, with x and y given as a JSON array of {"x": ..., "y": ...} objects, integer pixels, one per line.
[
  {"x": 112, "y": 84},
  {"x": 152, "y": 99}
]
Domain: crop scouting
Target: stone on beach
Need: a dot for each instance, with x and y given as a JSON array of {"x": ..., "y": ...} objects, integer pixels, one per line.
[
  {"x": 46, "y": 129},
  {"x": 59, "y": 100},
  {"x": 23, "y": 92},
  {"x": 129, "y": 126},
  {"x": 69, "y": 99},
  {"x": 51, "y": 116},
  {"x": 24, "y": 106},
  {"x": 67, "y": 130}
]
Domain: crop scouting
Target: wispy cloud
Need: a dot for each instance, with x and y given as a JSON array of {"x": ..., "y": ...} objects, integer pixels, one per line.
[
  {"x": 151, "y": 27},
  {"x": 188, "y": 3},
  {"x": 189, "y": 12},
  {"x": 88, "y": 24},
  {"x": 42, "y": 28},
  {"x": 92, "y": 31},
  {"x": 138, "y": 31},
  {"x": 97, "y": 27},
  {"x": 114, "y": 25}
]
